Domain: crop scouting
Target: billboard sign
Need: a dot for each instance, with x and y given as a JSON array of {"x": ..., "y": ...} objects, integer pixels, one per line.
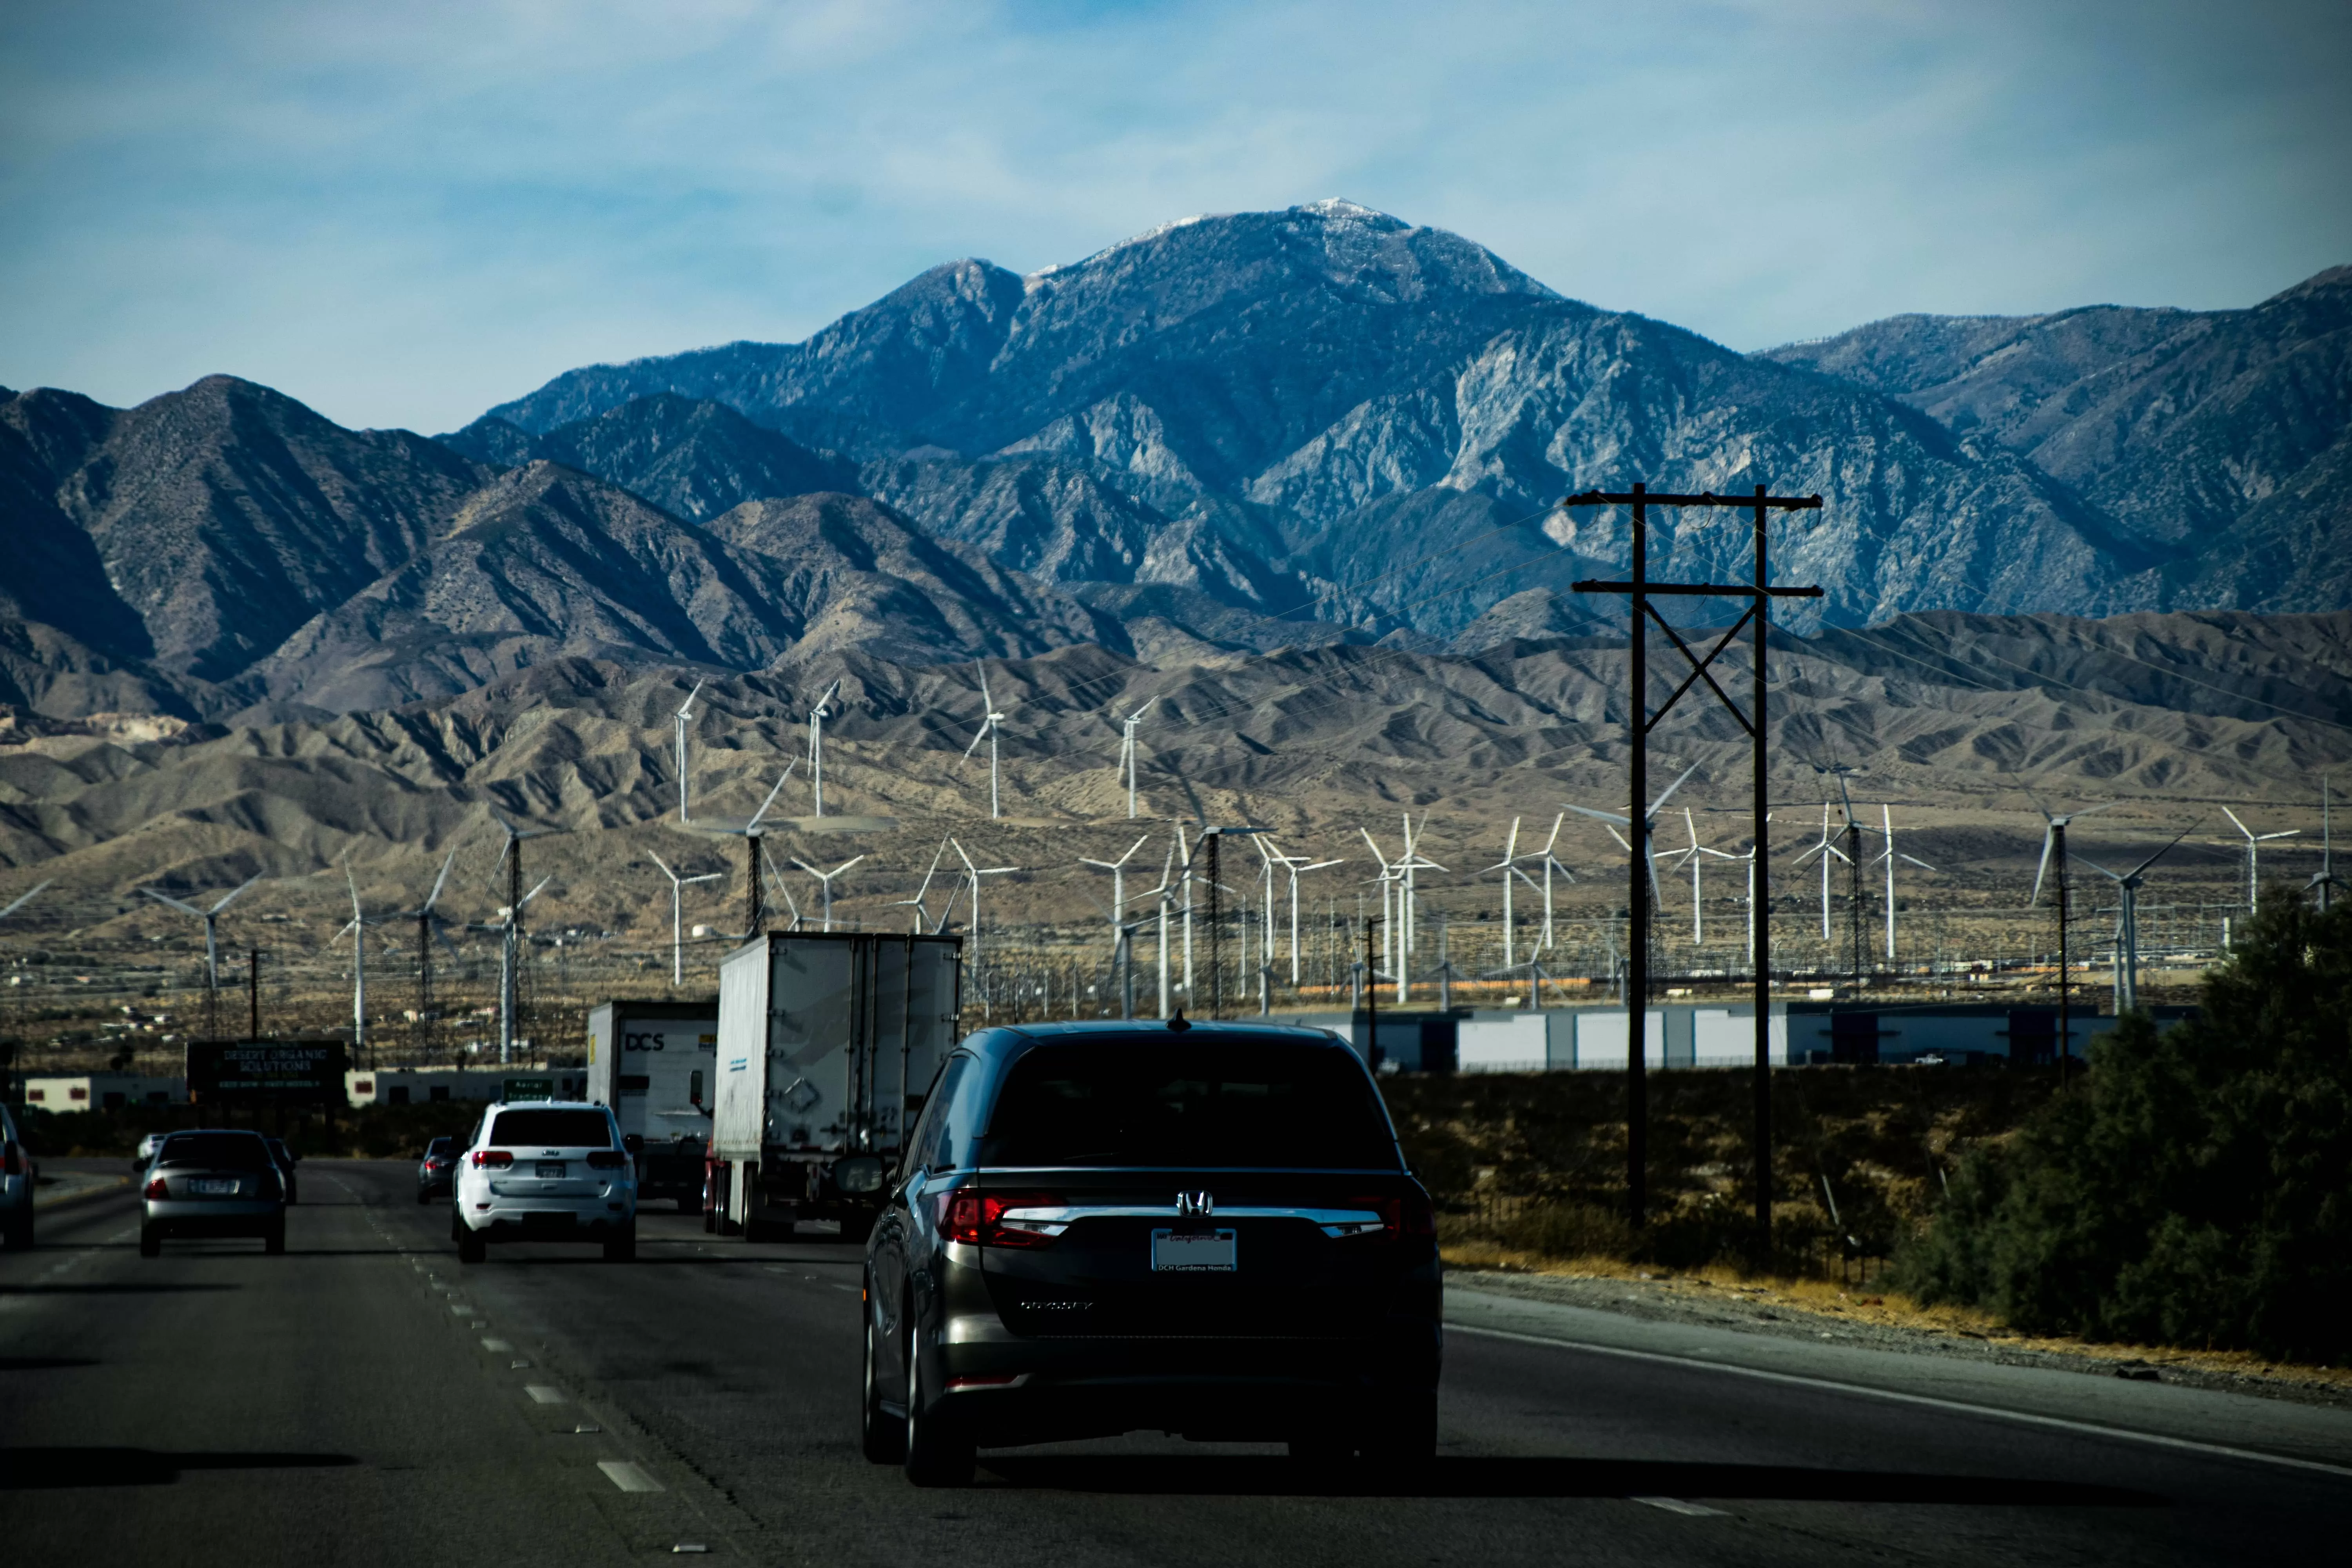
[{"x": 267, "y": 1072}]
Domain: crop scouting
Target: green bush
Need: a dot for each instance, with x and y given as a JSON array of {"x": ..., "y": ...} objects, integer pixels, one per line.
[{"x": 2197, "y": 1188}]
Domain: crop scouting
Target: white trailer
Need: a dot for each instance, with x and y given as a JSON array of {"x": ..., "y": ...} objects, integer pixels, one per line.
[
  {"x": 827, "y": 1043},
  {"x": 653, "y": 1063}
]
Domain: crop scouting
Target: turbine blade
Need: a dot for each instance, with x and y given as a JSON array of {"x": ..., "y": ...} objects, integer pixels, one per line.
[
  {"x": 25, "y": 898},
  {"x": 1602, "y": 816},
  {"x": 2049, "y": 835},
  {"x": 2163, "y": 852},
  {"x": 1658, "y": 804},
  {"x": 231, "y": 896},
  {"x": 167, "y": 899},
  {"x": 773, "y": 793}
]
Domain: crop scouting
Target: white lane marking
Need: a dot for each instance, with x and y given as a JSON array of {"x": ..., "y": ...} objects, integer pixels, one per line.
[
  {"x": 2058, "y": 1423},
  {"x": 840, "y": 1287},
  {"x": 462, "y": 1308},
  {"x": 543, "y": 1394},
  {"x": 1676, "y": 1505},
  {"x": 627, "y": 1476},
  {"x": 496, "y": 1346}
]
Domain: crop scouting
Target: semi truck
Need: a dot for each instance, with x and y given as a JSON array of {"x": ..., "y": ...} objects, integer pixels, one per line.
[
  {"x": 651, "y": 1062},
  {"x": 827, "y": 1043}
]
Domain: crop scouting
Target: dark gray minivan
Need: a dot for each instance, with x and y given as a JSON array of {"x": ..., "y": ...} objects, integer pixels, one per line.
[{"x": 1206, "y": 1229}]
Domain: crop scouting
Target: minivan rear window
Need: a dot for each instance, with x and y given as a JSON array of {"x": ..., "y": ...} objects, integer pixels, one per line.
[
  {"x": 215, "y": 1151},
  {"x": 551, "y": 1129},
  {"x": 1113, "y": 1101}
]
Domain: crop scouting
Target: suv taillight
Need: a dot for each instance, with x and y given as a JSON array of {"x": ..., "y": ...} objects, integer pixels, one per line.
[
  {"x": 978, "y": 1219},
  {"x": 607, "y": 1159},
  {"x": 156, "y": 1189},
  {"x": 492, "y": 1159}
]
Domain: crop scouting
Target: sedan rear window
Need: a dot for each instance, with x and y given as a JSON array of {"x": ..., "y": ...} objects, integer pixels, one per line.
[
  {"x": 215, "y": 1151},
  {"x": 1269, "y": 1104},
  {"x": 551, "y": 1129}
]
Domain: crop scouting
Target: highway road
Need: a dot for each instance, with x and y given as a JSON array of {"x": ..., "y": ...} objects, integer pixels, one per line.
[{"x": 364, "y": 1400}]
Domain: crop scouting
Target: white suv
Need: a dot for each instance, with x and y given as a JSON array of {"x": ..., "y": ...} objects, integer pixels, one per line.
[{"x": 547, "y": 1170}]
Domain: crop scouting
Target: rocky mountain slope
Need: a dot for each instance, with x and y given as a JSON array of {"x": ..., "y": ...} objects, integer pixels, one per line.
[{"x": 1307, "y": 391}]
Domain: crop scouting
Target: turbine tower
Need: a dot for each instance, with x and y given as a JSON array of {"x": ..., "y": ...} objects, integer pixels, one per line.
[
  {"x": 2127, "y": 885},
  {"x": 1825, "y": 849},
  {"x": 357, "y": 928},
  {"x": 1299, "y": 865},
  {"x": 428, "y": 932},
  {"x": 211, "y": 918},
  {"x": 2254, "y": 842},
  {"x": 974, "y": 873},
  {"x": 677, "y": 886},
  {"x": 2053, "y": 843},
  {"x": 816, "y": 744},
  {"x": 1887, "y": 828},
  {"x": 1118, "y": 870},
  {"x": 1127, "y": 753},
  {"x": 2323, "y": 883},
  {"x": 755, "y": 856},
  {"x": 510, "y": 981},
  {"x": 681, "y": 719},
  {"x": 1691, "y": 856},
  {"x": 990, "y": 722}
]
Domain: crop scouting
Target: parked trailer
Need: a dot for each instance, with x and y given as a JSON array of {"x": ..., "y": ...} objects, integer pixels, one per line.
[
  {"x": 652, "y": 1063},
  {"x": 827, "y": 1043}
]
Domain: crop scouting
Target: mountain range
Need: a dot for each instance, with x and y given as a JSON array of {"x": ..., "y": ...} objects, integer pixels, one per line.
[{"x": 1223, "y": 439}]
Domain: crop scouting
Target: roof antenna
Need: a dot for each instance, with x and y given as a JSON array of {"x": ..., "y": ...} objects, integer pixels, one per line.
[{"x": 1177, "y": 1023}]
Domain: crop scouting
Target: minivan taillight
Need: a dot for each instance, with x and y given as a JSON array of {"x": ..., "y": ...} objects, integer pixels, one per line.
[
  {"x": 607, "y": 1159},
  {"x": 1412, "y": 1215},
  {"x": 492, "y": 1159},
  {"x": 978, "y": 1219},
  {"x": 156, "y": 1189}
]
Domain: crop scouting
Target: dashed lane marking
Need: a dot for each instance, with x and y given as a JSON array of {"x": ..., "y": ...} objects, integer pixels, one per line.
[
  {"x": 1676, "y": 1505},
  {"x": 543, "y": 1394},
  {"x": 628, "y": 1476},
  {"x": 499, "y": 1347}
]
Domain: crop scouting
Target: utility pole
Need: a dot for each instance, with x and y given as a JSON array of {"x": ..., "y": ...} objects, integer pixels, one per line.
[{"x": 1639, "y": 722}]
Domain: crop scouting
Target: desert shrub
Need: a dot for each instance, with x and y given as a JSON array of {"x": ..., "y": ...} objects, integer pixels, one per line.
[
  {"x": 2197, "y": 1188},
  {"x": 1565, "y": 1230}
]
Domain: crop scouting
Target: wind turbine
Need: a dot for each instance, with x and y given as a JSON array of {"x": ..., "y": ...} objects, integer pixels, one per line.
[
  {"x": 1887, "y": 828},
  {"x": 917, "y": 902},
  {"x": 816, "y": 745},
  {"x": 825, "y": 881},
  {"x": 1118, "y": 870},
  {"x": 1299, "y": 865},
  {"x": 2254, "y": 842},
  {"x": 684, "y": 716},
  {"x": 2128, "y": 922},
  {"x": 1551, "y": 863},
  {"x": 357, "y": 927},
  {"x": 975, "y": 873},
  {"x": 2325, "y": 883},
  {"x": 211, "y": 918},
  {"x": 510, "y": 995},
  {"x": 1508, "y": 866},
  {"x": 1649, "y": 826},
  {"x": 754, "y": 855},
  {"x": 1126, "y": 754},
  {"x": 1691, "y": 858},
  {"x": 677, "y": 886},
  {"x": 1825, "y": 849},
  {"x": 2054, "y": 842},
  {"x": 427, "y": 934},
  {"x": 1391, "y": 883},
  {"x": 991, "y": 721},
  {"x": 1167, "y": 885}
]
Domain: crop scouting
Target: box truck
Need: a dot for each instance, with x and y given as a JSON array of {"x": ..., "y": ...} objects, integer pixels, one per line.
[
  {"x": 652, "y": 1062},
  {"x": 827, "y": 1043}
]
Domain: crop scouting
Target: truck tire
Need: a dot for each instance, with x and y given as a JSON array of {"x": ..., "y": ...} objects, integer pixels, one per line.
[
  {"x": 273, "y": 1241},
  {"x": 882, "y": 1437},
  {"x": 622, "y": 1248},
  {"x": 1404, "y": 1434},
  {"x": 940, "y": 1453},
  {"x": 689, "y": 1206},
  {"x": 20, "y": 1230}
]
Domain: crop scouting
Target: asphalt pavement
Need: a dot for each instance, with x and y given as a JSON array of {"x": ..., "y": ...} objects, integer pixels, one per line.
[{"x": 365, "y": 1400}]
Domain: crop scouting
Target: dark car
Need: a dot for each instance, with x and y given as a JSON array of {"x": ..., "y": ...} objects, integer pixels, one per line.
[
  {"x": 1206, "y": 1230},
  {"x": 436, "y": 1173},
  {"x": 286, "y": 1160},
  {"x": 212, "y": 1184}
]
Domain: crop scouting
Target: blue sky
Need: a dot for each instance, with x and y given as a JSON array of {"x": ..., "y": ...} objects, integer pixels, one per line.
[{"x": 403, "y": 214}]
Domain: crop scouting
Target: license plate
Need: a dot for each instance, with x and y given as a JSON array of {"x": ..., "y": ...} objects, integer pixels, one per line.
[
  {"x": 552, "y": 1169},
  {"x": 1191, "y": 1252},
  {"x": 213, "y": 1186}
]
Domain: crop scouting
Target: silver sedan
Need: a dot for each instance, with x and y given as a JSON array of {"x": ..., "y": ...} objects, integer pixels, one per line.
[{"x": 213, "y": 1184}]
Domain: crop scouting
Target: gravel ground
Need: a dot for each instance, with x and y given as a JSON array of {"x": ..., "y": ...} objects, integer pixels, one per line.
[{"x": 1763, "y": 1309}]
